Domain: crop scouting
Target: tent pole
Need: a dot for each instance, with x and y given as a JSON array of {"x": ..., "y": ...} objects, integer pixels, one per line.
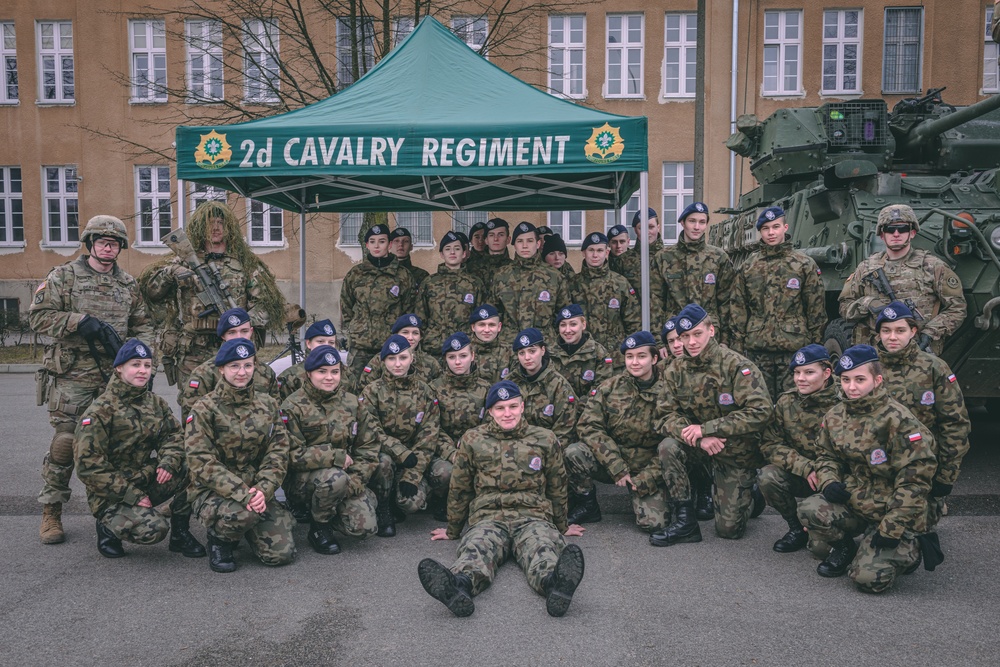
[
  {"x": 180, "y": 204},
  {"x": 302, "y": 265},
  {"x": 642, "y": 240}
]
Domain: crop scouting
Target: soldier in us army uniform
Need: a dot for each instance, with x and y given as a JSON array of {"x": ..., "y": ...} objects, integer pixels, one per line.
[
  {"x": 321, "y": 332},
  {"x": 237, "y": 451},
  {"x": 549, "y": 400},
  {"x": 426, "y": 367},
  {"x": 509, "y": 484},
  {"x": 492, "y": 357},
  {"x": 629, "y": 263},
  {"x": 400, "y": 245},
  {"x": 779, "y": 302},
  {"x": 404, "y": 414},
  {"x": 130, "y": 457},
  {"x": 171, "y": 288},
  {"x": 76, "y": 306},
  {"x": 461, "y": 396},
  {"x": 578, "y": 356},
  {"x": 333, "y": 452},
  {"x": 618, "y": 441},
  {"x": 716, "y": 406},
  {"x": 915, "y": 276},
  {"x": 554, "y": 254},
  {"x": 790, "y": 441},
  {"x": 447, "y": 298},
  {"x": 875, "y": 475},
  {"x": 925, "y": 385}
]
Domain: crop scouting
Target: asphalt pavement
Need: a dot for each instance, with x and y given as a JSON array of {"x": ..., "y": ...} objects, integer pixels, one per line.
[{"x": 714, "y": 603}]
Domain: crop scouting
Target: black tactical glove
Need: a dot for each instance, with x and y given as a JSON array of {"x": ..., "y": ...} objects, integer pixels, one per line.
[
  {"x": 90, "y": 328},
  {"x": 407, "y": 490},
  {"x": 410, "y": 461},
  {"x": 836, "y": 492},
  {"x": 924, "y": 342},
  {"x": 879, "y": 541},
  {"x": 940, "y": 490}
]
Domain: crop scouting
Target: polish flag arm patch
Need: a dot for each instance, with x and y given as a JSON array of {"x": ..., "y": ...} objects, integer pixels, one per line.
[
  {"x": 608, "y": 360},
  {"x": 194, "y": 384},
  {"x": 745, "y": 371},
  {"x": 951, "y": 378},
  {"x": 368, "y": 369},
  {"x": 190, "y": 418},
  {"x": 571, "y": 398},
  {"x": 914, "y": 437},
  {"x": 85, "y": 422},
  {"x": 284, "y": 418}
]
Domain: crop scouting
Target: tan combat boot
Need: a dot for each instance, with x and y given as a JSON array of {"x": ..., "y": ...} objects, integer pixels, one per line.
[{"x": 51, "y": 531}]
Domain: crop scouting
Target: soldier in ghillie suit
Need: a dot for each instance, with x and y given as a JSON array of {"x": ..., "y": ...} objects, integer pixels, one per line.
[
  {"x": 171, "y": 289},
  {"x": 130, "y": 457},
  {"x": 875, "y": 476},
  {"x": 81, "y": 305},
  {"x": 237, "y": 452},
  {"x": 509, "y": 483},
  {"x": 333, "y": 453}
]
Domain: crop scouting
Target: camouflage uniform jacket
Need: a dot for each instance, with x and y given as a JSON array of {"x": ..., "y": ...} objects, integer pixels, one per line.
[
  {"x": 115, "y": 442},
  {"x": 444, "y": 303},
  {"x": 926, "y": 386},
  {"x": 586, "y": 368},
  {"x": 371, "y": 299},
  {"x": 779, "y": 302},
  {"x": 528, "y": 293},
  {"x": 494, "y": 359},
  {"x": 292, "y": 378},
  {"x": 418, "y": 274},
  {"x": 487, "y": 268},
  {"x": 206, "y": 377},
  {"x": 693, "y": 273},
  {"x": 884, "y": 456},
  {"x": 790, "y": 439},
  {"x": 507, "y": 476},
  {"x": 462, "y": 405},
  {"x": 619, "y": 426},
  {"x": 723, "y": 392},
  {"x": 934, "y": 288},
  {"x": 404, "y": 415},
  {"x": 610, "y": 304},
  {"x": 629, "y": 265},
  {"x": 476, "y": 260},
  {"x": 567, "y": 272},
  {"x": 426, "y": 368},
  {"x": 235, "y": 439},
  {"x": 549, "y": 401},
  {"x": 73, "y": 290},
  {"x": 324, "y": 427}
]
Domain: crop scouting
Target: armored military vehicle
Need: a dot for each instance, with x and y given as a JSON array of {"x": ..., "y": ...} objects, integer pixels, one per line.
[{"x": 833, "y": 167}]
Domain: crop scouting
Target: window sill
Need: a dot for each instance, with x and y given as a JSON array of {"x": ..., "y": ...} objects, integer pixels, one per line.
[
  {"x": 271, "y": 245},
  {"x": 13, "y": 103},
  {"x": 837, "y": 95},
  {"x": 625, "y": 98},
  {"x": 15, "y": 246},
  {"x": 73, "y": 245},
  {"x": 260, "y": 103},
  {"x": 902, "y": 92},
  {"x": 783, "y": 96},
  {"x": 50, "y": 103},
  {"x": 144, "y": 102}
]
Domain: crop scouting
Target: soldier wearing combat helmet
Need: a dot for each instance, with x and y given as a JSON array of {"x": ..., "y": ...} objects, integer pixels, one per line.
[
  {"x": 917, "y": 278},
  {"x": 79, "y": 306}
]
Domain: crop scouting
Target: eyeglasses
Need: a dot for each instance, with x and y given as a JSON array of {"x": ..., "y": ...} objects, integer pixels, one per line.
[
  {"x": 107, "y": 243},
  {"x": 905, "y": 228}
]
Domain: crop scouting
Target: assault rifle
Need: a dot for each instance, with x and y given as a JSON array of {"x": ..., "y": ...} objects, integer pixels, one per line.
[
  {"x": 880, "y": 282},
  {"x": 110, "y": 341},
  {"x": 214, "y": 293}
]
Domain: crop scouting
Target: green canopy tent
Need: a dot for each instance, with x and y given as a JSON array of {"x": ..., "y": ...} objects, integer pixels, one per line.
[{"x": 432, "y": 127}]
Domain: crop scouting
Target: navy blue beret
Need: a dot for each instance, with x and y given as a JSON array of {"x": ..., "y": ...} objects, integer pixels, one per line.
[
  {"x": 859, "y": 355},
  {"x": 523, "y": 228},
  {"x": 132, "y": 349},
  {"x": 897, "y": 310},
  {"x": 769, "y": 214},
  {"x": 572, "y": 310},
  {"x": 394, "y": 344},
  {"x": 483, "y": 312},
  {"x": 233, "y": 317},
  {"x": 408, "y": 320},
  {"x": 616, "y": 230},
  {"x": 527, "y": 338},
  {"x": 696, "y": 207},
  {"x": 376, "y": 230},
  {"x": 650, "y": 216},
  {"x": 321, "y": 328},
  {"x": 668, "y": 326},
  {"x": 504, "y": 390},
  {"x": 451, "y": 237},
  {"x": 400, "y": 231},
  {"x": 455, "y": 342},
  {"x": 497, "y": 223},
  {"x": 638, "y": 339},
  {"x": 690, "y": 317},
  {"x": 594, "y": 239},
  {"x": 809, "y": 354},
  {"x": 235, "y": 349},
  {"x": 322, "y": 355}
]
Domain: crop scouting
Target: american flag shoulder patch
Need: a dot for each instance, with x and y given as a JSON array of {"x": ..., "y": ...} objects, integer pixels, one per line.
[
  {"x": 85, "y": 422},
  {"x": 194, "y": 384},
  {"x": 745, "y": 371},
  {"x": 951, "y": 378},
  {"x": 914, "y": 437}
]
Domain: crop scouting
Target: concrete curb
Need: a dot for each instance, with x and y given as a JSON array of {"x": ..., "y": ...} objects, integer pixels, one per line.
[{"x": 19, "y": 368}]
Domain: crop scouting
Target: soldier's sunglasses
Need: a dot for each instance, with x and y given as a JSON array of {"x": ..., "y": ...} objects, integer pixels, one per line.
[{"x": 897, "y": 229}]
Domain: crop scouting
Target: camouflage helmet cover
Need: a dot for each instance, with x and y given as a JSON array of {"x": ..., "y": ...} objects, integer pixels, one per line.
[
  {"x": 896, "y": 213},
  {"x": 104, "y": 225}
]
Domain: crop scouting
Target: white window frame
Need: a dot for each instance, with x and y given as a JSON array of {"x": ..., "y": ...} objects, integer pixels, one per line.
[
  {"x": 677, "y": 194},
  {"x": 64, "y": 87},
  {"x": 462, "y": 221},
  {"x": 841, "y": 43},
  {"x": 204, "y": 47},
  {"x": 783, "y": 47},
  {"x": 261, "y": 73},
  {"x": 991, "y": 51},
  {"x": 401, "y": 29},
  {"x": 350, "y": 225},
  {"x": 623, "y": 52},
  {"x": 473, "y": 30},
  {"x": 148, "y": 47},
  {"x": 900, "y": 89},
  {"x": 367, "y": 46},
  {"x": 12, "y": 203},
  {"x": 420, "y": 224},
  {"x": 680, "y": 54},
  {"x": 198, "y": 193},
  {"x": 153, "y": 210},
  {"x": 568, "y": 43},
  {"x": 571, "y": 226},
  {"x": 265, "y": 218},
  {"x": 9, "y": 92},
  {"x": 613, "y": 216},
  {"x": 66, "y": 197}
]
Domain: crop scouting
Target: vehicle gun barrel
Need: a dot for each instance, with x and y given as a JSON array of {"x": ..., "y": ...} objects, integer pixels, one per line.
[{"x": 932, "y": 127}]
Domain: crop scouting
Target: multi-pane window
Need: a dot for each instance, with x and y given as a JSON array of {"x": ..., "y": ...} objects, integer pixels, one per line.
[
  {"x": 401, "y": 29},
  {"x": 265, "y": 223},
  {"x": 152, "y": 203},
  {"x": 612, "y": 217},
  {"x": 8, "y": 54},
  {"x": 842, "y": 51},
  {"x": 204, "y": 60},
  {"x": 782, "y": 52},
  {"x": 202, "y": 193},
  {"x": 680, "y": 55},
  {"x": 991, "y": 76},
  {"x": 678, "y": 192},
  {"x": 148, "y": 42},
  {"x": 568, "y": 55},
  {"x": 61, "y": 206},
  {"x": 11, "y": 208},
  {"x": 350, "y": 225},
  {"x": 462, "y": 221},
  {"x": 57, "y": 83},
  {"x": 624, "y": 55},
  {"x": 260, "y": 61},
  {"x": 419, "y": 224},
  {"x": 570, "y": 225},
  {"x": 471, "y": 30},
  {"x": 365, "y": 37},
  {"x": 902, "y": 51}
]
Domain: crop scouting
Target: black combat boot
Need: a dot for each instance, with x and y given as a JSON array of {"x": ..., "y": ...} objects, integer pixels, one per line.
[
  {"x": 684, "y": 528},
  {"x": 758, "y": 504},
  {"x": 181, "y": 539},
  {"x": 107, "y": 544},
  {"x": 437, "y": 506},
  {"x": 841, "y": 554},
  {"x": 385, "y": 518},
  {"x": 701, "y": 487},
  {"x": 583, "y": 507},
  {"x": 321, "y": 538},
  {"x": 561, "y": 583},
  {"x": 795, "y": 539},
  {"x": 452, "y": 590},
  {"x": 300, "y": 511},
  {"x": 220, "y": 555}
]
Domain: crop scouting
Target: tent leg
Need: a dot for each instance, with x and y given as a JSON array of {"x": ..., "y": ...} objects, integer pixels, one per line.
[
  {"x": 643, "y": 243},
  {"x": 180, "y": 204},
  {"x": 302, "y": 267}
]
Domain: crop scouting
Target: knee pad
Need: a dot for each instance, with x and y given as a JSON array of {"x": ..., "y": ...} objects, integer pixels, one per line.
[{"x": 61, "y": 448}]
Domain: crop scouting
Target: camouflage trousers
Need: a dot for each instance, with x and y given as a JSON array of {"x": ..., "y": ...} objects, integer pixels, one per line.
[
  {"x": 439, "y": 476},
  {"x": 143, "y": 525},
  {"x": 781, "y": 488},
  {"x": 733, "y": 485},
  {"x": 385, "y": 481},
  {"x": 774, "y": 367},
  {"x": 872, "y": 570},
  {"x": 269, "y": 535},
  {"x": 325, "y": 491},
  {"x": 534, "y": 544},
  {"x": 652, "y": 510}
]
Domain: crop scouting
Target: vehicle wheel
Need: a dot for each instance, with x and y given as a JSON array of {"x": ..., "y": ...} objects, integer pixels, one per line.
[{"x": 838, "y": 337}]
